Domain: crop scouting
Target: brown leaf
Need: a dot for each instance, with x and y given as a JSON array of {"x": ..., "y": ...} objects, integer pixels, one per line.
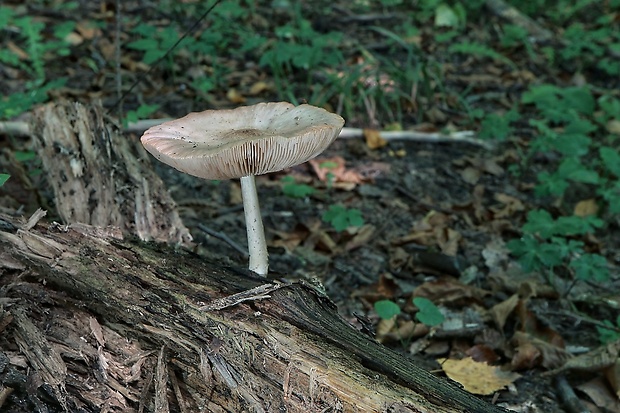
[
  {"x": 509, "y": 206},
  {"x": 361, "y": 237},
  {"x": 477, "y": 378},
  {"x": 537, "y": 352},
  {"x": 600, "y": 394},
  {"x": 336, "y": 167},
  {"x": 450, "y": 292},
  {"x": 17, "y": 50},
  {"x": 500, "y": 312},
  {"x": 482, "y": 354}
]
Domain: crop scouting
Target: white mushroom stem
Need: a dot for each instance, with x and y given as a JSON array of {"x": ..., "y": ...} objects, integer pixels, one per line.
[{"x": 257, "y": 245}]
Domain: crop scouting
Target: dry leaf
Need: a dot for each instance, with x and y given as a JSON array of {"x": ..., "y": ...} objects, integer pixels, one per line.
[
  {"x": 258, "y": 87},
  {"x": 510, "y": 206},
  {"x": 74, "y": 39},
  {"x": 234, "y": 96},
  {"x": 613, "y": 126},
  {"x": 535, "y": 351},
  {"x": 471, "y": 175},
  {"x": 449, "y": 292},
  {"x": 477, "y": 378},
  {"x": 17, "y": 50},
  {"x": 87, "y": 29},
  {"x": 336, "y": 167},
  {"x": 362, "y": 236},
  {"x": 586, "y": 207},
  {"x": 374, "y": 139},
  {"x": 482, "y": 353},
  {"x": 600, "y": 394},
  {"x": 501, "y": 311}
]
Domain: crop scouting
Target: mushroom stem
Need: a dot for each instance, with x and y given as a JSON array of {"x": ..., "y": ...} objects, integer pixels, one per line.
[{"x": 254, "y": 223}]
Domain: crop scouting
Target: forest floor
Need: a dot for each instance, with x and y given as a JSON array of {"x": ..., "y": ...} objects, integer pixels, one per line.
[{"x": 436, "y": 216}]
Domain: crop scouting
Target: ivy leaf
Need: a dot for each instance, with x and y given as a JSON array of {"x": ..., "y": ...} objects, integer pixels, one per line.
[
  {"x": 611, "y": 159},
  {"x": 386, "y": 309},
  {"x": 591, "y": 267},
  {"x": 429, "y": 314},
  {"x": 540, "y": 222}
]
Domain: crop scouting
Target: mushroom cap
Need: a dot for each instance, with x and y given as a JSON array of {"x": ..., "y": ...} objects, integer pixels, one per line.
[{"x": 249, "y": 140}]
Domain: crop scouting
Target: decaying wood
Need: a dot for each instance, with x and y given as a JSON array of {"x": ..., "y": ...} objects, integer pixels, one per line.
[
  {"x": 100, "y": 177},
  {"x": 289, "y": 351},
  {"x": 93, "y": 320}
]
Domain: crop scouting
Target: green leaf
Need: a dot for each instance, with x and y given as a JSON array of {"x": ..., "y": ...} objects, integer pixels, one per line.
[
  {"x": 445, "y": 16},
  {"x": 24, "y": 156},
  {"x": 429, "y": 314},
  {"x": 479, "y": 50},
  {"x": 580, "y": 99},
  {"x": 591, "y": 267},
  {"x": 540, "y": 222},
  {"x": 342, "y": 218},
  {"x": 386, "y": 309},
  {"x": 294, "y": 190},
  {"x": 611, "y": 159},
  {"x": 534, "y": 255},
  {"x": 496, "y": 126},
  {"x": 4, "y": 178},
  {"x": 574, "y": 170},
  {"x": 144, "y": 44},
  {"x": 610, "y": 334}
]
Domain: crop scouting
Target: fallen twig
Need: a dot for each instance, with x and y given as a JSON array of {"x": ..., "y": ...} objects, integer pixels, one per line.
[{"x": 468, "y": 137}]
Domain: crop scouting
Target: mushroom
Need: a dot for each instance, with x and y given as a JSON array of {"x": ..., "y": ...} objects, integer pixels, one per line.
[{"x": 242, "y": 143}]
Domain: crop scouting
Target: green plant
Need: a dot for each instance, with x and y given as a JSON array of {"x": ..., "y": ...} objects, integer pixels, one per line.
[
  {"x": 38, "y": 49},
  {"x": 154, "y": 42},
  {"x": 545, "y": 245},
  {"x": 498, "y": 127},
  {"x": 294, "y": 190},
  {"x": 4, "y": 178},
  {"x": 610, "y": 332},
  {"x": 142, "y": 112},
  {"x": 342, "y": 218},
  {"x": 428, "y": 313},
  {"x": 479, "y": 50},
  {"x": 386, "y": 309}
]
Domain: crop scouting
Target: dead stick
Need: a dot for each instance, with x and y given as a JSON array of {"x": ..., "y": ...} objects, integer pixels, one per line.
[{"x": 468, "y": 137}]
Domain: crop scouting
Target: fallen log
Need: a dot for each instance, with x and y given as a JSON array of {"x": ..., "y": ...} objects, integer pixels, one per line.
[{"x": 93, "y": 320}]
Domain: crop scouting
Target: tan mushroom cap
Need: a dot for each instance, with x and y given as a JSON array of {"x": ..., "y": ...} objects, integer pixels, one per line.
[{"x": 249, "y": 140}]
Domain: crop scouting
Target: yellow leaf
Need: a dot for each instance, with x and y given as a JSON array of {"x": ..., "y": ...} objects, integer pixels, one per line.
[
  {"x": 258, "y": 87},
  {"x": 234, "y": 96},
  {"x": 586, "y": 207},
  {"x": 374, "y": 139},
  {"x": 477, "y": 378}
]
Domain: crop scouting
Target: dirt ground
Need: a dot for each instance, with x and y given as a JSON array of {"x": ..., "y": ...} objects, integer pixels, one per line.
[{"x": 436, "y": 215}]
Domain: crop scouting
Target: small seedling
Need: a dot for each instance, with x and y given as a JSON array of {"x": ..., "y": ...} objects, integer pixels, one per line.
[
  {"x": 4, "y": 178},
  {"x": 386, "y": 309},
  {"x": 342, "y": 218},
  {"x": 610, "y": 333},
  {"x": 429, "y": 314},
  {"x": 295, "y": 190}
]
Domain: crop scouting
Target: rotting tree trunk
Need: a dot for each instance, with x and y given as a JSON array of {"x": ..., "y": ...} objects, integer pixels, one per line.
[
  {"x": 279, "y": 348},
  {"x": 94, "y": 322}
]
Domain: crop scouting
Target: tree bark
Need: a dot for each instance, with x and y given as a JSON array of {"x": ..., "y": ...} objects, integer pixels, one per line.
[{"x": 93, "y": 320}]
